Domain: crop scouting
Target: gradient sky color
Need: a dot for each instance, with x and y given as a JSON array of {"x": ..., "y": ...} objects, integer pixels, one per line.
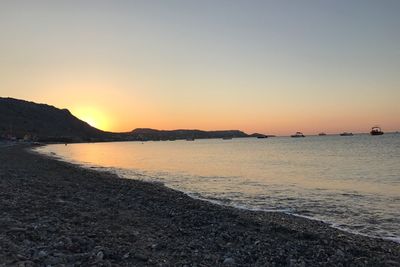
[{"x": 260, "y": 66}]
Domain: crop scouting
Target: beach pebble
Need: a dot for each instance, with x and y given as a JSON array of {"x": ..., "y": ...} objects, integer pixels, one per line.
[
  {"x": 141, "y": 257},
  {"x": 53, "y": 261},
  {"x": 340, "y": 253},
  {"x": 25, "y": 264},
  {"x": 229, "y": 262},
  {"x": 99, "y": 256},
  {"x": 391, "y": 263},
  {"x": 42, "y": 254}
]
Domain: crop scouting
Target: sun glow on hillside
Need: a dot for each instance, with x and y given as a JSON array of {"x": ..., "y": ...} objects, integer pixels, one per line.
[{"x": 92, "y": 116}]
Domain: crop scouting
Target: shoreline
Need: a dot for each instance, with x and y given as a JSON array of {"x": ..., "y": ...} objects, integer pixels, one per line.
[
  {"x": 193, "y": 195},
  {"x": 330, "y": 224},
  {"x": 57, "y": 213}
]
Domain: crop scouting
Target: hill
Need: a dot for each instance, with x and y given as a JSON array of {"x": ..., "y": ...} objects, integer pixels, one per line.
[
  {"x": 152, "y": 134},
  {"x": 19, "y": 118}
]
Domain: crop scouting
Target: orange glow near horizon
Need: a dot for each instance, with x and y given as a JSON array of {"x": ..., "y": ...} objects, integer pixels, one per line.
[
  {"x": 119, "y": 119},
  {"x": 112, "y": 110},
  {"x": 93, "y": 117}
]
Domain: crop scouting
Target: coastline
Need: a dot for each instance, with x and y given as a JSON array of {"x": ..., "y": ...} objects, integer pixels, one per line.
[{"x": 57, "y": 213}]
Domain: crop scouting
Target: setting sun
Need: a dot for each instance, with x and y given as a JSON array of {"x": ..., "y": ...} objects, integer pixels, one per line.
[{"x": 92, "y": 116}]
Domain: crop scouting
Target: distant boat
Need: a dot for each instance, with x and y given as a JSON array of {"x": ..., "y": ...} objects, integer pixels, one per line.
[
  {"x": 297, "y": 134},
  {"x": 346, "y": 134},
  {"x": 227, "y": 138},
  {"x": 322, "y": 134},
  {"x": 262, "y": 137},
  {"x": 376, "y": 131}
]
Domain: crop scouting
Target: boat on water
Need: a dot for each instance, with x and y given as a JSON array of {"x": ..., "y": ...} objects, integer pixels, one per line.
[
  {"x": 262, "y": 137},
  {"x": 346, "y": 134},
  {"x": 321, "y": 134},
  {"x": 376, "y": 131},
  {"x": 297, "y": 134},
  {"x": 226, "y": 138}
]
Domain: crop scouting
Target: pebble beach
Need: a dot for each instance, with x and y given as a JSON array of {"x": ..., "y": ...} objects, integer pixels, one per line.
[{"x": 55, "y": 213}]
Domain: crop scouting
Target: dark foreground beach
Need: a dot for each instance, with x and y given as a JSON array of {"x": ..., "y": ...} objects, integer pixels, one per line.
[{"x": 57, "y": 214}]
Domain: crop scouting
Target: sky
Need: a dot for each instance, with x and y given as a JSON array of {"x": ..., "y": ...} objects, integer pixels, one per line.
[{"x": 273, "y": 67}]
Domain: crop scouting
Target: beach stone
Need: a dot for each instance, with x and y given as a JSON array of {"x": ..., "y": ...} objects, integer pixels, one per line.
[
  {"x": 292, "y": 262},
  {"x": 229, "y": 262},
  {"x": 21, "y": 257},
  {"x": 99, "y": 256},
  {"x": 141, "y": 257},
  {"x": 53, "y": 261},
  {"x": 126, "y": 255},
  {"x": 106, "y": 264},
  {"x": 76, "y": 257},
  {"x": 42, "y": 254},
  {"x": 340, "y": 253},
  {"x": 391, "y": 263},
  {"x": 25, "y": 264}
]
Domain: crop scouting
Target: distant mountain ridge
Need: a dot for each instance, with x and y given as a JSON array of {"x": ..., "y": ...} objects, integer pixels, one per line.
[
  {"x": 153, "y": 134},
  {"x": 23, "y": 119}
]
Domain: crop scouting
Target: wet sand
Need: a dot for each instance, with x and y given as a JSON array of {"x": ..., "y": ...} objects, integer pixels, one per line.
[{"x": 58, "y": 214}]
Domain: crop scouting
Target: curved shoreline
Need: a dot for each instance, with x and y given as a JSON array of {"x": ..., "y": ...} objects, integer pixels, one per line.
[
  {"x": 57, "y": 213},
  {"x": 117, "y": 171}
]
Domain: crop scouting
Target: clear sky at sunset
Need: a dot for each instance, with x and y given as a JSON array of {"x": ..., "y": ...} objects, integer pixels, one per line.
[{"x": 260, "y": 66}]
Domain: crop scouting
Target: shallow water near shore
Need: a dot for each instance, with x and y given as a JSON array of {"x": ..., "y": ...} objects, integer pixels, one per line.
[{"x": 350, "y": 182}]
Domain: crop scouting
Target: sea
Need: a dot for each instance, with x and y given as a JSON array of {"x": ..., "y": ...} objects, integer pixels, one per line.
[{"x": 349, "y": 182}]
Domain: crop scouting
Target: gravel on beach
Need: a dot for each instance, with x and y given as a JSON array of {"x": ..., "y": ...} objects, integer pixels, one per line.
[{"x": 57, "y": 214}]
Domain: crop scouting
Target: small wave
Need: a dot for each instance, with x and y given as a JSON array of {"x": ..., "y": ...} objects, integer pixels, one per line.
[{"x": 288, "y": 211}]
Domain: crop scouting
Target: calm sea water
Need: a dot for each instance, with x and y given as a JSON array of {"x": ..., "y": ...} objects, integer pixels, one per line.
[{"x": 352, "y": 182}]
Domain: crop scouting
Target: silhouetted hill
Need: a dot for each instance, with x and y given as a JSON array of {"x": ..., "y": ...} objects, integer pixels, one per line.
[
  {"x": 152, "y": 134},
  {"x": 41, "y": 122},
  {"x": 21, "y": 118},
  {"x": 258, "y": 135}
]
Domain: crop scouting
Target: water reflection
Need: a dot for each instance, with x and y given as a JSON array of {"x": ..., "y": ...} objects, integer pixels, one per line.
[{"x": 353, "y": 182}]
